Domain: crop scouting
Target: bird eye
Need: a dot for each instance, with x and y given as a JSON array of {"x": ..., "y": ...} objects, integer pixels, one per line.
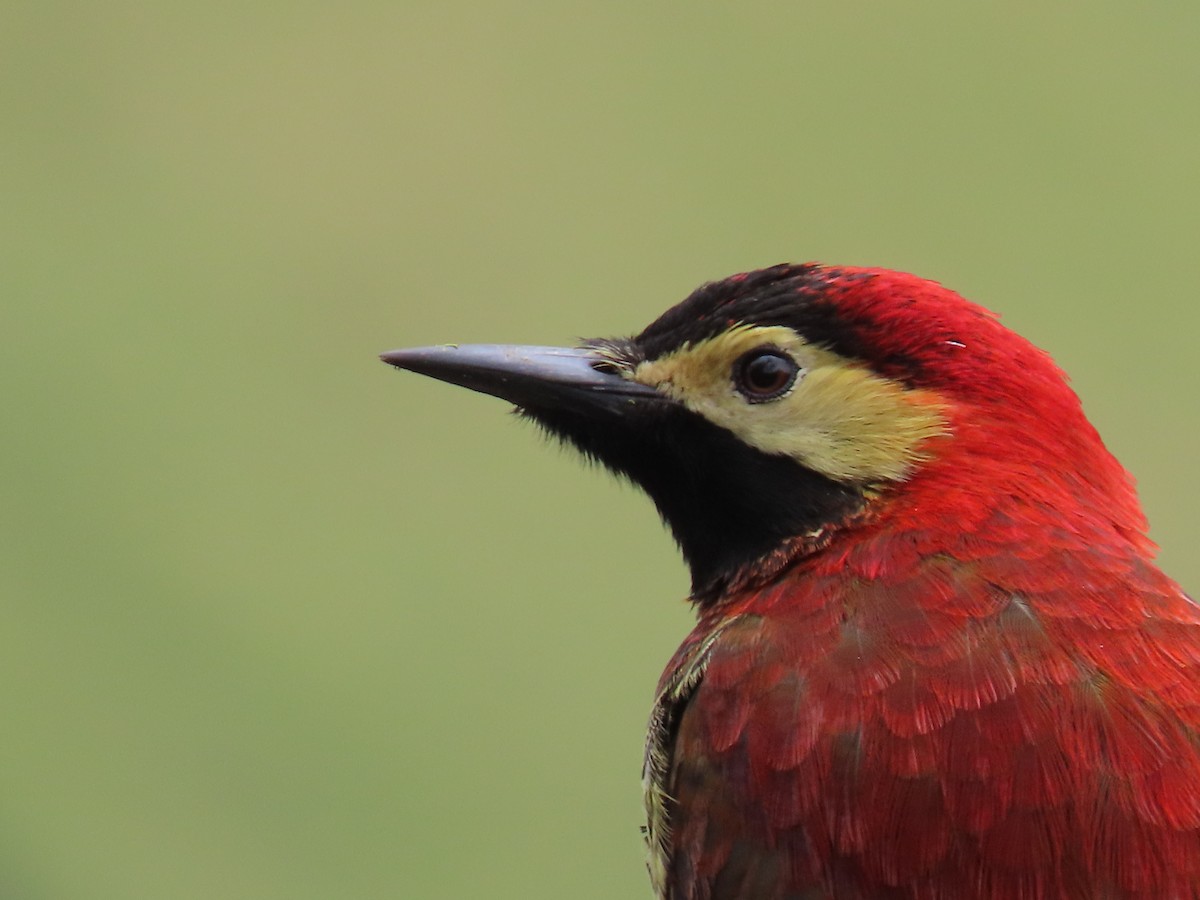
[{"x": 763, "y": 375}]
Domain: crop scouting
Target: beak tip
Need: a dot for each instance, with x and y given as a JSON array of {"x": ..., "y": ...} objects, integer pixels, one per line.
[{"x": 401, "y": 359}]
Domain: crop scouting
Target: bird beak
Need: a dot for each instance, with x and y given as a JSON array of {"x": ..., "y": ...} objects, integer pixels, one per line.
[{"x": 531, "y": 377}]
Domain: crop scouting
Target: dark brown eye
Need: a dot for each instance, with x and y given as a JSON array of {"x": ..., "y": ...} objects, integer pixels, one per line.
[{"x": 763, "y": 375}]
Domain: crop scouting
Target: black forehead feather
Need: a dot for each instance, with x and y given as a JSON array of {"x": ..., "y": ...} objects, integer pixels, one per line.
[{"x": 795, "y": 296}]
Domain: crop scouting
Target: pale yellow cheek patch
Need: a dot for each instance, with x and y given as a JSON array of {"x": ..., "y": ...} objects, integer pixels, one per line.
[{"x": 839, "y": 419}]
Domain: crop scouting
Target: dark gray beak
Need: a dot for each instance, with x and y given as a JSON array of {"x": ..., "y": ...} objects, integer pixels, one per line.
[{"x": 532, "y": 377}]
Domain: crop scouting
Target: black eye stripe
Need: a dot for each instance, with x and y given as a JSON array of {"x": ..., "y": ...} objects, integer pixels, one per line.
[{"x": 764, "y": 374}]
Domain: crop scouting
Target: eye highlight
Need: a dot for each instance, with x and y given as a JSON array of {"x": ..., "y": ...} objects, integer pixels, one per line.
[{"x": 764, "y": 374}]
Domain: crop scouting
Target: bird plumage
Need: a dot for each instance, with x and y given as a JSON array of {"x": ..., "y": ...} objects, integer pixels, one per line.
[{"x": 933, "y": 659}]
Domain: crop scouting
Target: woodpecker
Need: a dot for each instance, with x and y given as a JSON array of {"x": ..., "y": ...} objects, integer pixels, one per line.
[{"x": 933, "y": 658}]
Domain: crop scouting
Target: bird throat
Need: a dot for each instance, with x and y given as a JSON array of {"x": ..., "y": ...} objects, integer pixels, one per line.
[{"x": 735, "y": 511}]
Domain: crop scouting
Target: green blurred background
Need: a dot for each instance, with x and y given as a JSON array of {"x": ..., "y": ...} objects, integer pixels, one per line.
[{"x": 281, "y": 623}]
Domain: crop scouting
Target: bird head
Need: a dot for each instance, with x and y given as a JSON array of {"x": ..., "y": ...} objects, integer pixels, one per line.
[{"x": 774, "y": 408}]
